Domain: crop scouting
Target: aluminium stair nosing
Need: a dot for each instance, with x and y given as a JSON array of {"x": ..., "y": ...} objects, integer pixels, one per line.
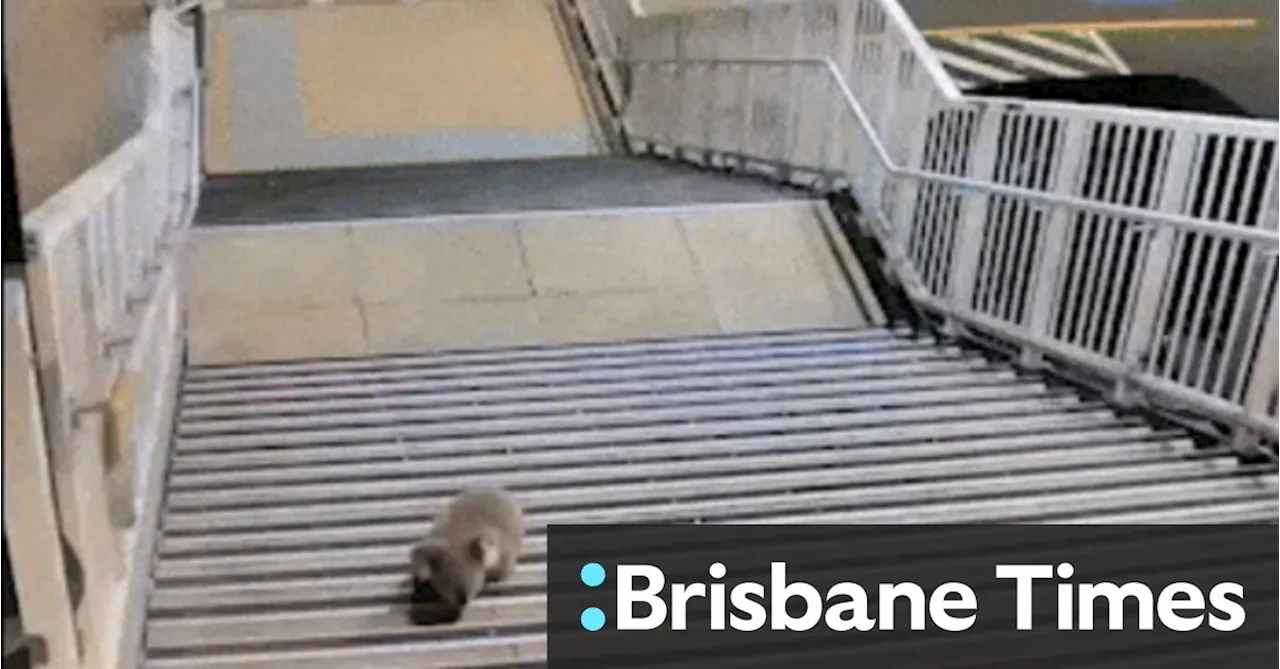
[
  {"x": 424, "y": 654},
  {"x": 427, "y": 395},
  {"x": 993, "y": 425},
  {"x": 1071, "y": 506},
  {"x": 703, "y": 405},
  {"x": 410, "y": 500},
  {"x": 440, "y": 366},
  {"x": 815, "y": 383},
  {"x": 186, "y": 481},
  {"x": 571, "y": 429},
  {"x": 569, "y": 352},
  {"x": 384, "y": 585},
  {"x": 694, "y": 502},
  {"x": 901, "y": 355},
  {"x": 324, "y": 626},
  {"x": 1089, "y": 505}
]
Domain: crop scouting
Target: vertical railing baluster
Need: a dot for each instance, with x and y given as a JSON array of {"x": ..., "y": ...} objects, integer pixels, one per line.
[
  {"x": 1154, "y": 271},
  {"x": 972, "y": 220},
  {"x": 904, "y": 203},
  {"x": 1258, "y": 399},
  {"x": 1047, "y": 272}
]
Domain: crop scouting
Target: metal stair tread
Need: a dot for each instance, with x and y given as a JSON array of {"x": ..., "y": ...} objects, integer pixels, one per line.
[
  {"x": 697, "y": 501},
  {"x": 405, "y": 381},
  {"x": 409, "y": 501},
  {"x": 519, "y": 465},
  {"x": 701, "y": 406},
  {"x": 572, "y": 352},
  {"x": 994, "y": 424},
  {"x": 565, "y": 431},
  {"x": 398, "y": 407},
  {"x": 428, "y": 368}
]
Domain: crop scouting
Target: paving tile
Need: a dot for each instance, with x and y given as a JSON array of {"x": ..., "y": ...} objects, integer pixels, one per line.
[
  {"x": 458, "y": 259},
  {"x": 584, "y": 254},
  {"x": 253, "y": 334},
  {"x": 767, "y": 268},
  {"x": 421, "y": 327},
  {"x": 762, "y": 309},
  {"x": 615, "y": 316},
  {"x": 295, "y": 266}
]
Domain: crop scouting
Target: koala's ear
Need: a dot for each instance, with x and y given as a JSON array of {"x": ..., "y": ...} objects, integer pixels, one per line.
[{"x": 483, "y": 551}]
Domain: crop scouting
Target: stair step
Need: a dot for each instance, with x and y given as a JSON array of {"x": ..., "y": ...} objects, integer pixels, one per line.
[
  {"x": 725, "y": 499},
  {"x": 377, "y": 384},
  {"x": 578, "y": 352},
  {"x": 663, "y": 423},
  {"x": 704, "y": 406},
  {"x": 547, "y": 398},
  {"x": 383, "y": 501},
  {"x": 902, "y": 445}
]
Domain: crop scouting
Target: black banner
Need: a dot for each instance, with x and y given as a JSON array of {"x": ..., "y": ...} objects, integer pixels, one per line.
[{"x": 912, "y": 596}]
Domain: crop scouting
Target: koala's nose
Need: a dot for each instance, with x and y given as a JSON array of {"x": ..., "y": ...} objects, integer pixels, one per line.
[{"x": 462, "y": 598}]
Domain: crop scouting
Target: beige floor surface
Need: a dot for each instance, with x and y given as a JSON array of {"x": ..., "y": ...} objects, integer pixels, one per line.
[
  {"x": 296, "y": 85},
  {"x": 345, "y": 289}
]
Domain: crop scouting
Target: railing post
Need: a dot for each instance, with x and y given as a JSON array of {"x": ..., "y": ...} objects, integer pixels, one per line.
[
  {"x": 890, "y": 89},
  {"x": 71, "y": 371},
  {"x": 1053, "y": 243},
  {"x": 30, "y": 517},
  {"x": 1264, "y": 378},
  {"x": 970, "y": 224},
  {"x": 901, "y": 210},
  {"x": 1142, "y": 333}
]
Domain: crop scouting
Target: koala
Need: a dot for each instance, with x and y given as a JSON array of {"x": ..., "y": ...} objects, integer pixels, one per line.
[{"x": 475, "y": 540}]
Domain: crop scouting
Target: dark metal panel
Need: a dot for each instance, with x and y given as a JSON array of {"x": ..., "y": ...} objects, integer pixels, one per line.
[{"x": 13, "y": 247}]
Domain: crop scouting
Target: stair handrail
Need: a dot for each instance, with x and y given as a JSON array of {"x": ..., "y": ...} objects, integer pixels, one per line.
[{"x": 1239, "y": 392}]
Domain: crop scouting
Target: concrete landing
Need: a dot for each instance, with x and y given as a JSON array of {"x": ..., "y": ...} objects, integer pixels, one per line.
[{"x": 377, "y": 287}]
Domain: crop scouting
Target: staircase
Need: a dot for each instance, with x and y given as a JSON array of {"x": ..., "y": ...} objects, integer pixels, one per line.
[
  {"x": 613, "y": 338},
  {"x": 295, "y": 488}
]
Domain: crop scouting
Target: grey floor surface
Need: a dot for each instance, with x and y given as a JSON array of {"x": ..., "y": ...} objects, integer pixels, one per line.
[{"x": 470, "y": 188}]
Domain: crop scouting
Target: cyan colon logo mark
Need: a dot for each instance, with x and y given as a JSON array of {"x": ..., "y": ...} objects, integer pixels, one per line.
[{"x": 592, "y": 576}]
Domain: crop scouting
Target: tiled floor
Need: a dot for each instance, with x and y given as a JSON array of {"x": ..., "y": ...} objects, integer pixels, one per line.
[{"x": 341, "y": 289}]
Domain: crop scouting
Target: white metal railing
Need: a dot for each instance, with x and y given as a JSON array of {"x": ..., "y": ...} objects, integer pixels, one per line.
[
  {"x": 101, "y": 242},
  {"x": 103, "y": 294},
  {"x": 1139, "y": 244}
]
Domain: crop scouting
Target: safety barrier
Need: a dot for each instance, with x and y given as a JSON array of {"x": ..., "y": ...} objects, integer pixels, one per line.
[{"x": 102, "y": 286}]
